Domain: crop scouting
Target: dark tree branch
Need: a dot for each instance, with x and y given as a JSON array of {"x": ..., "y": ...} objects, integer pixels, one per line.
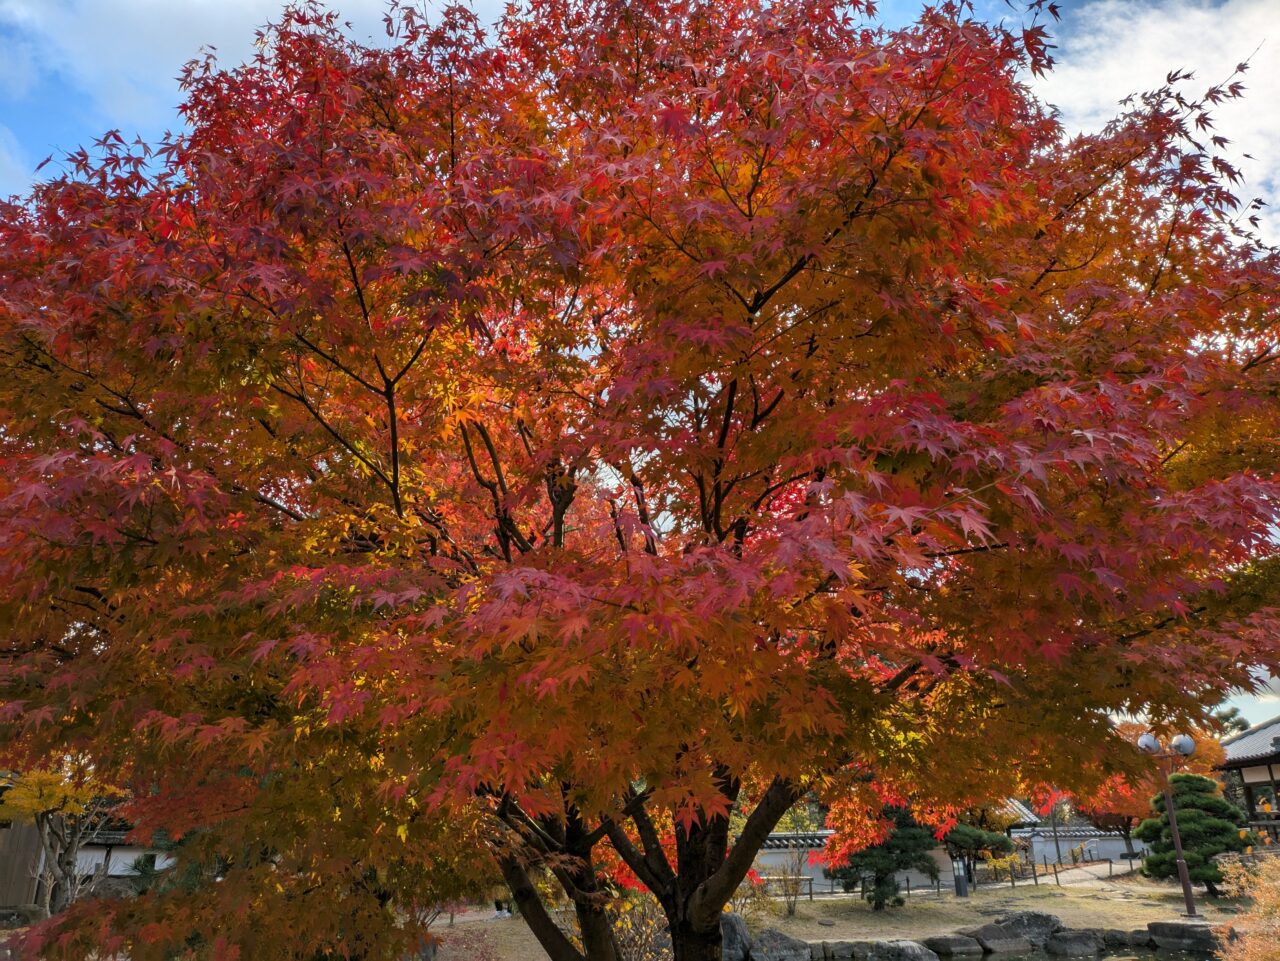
[
  {"x": 534, "y": 913},
  {"x": 712, "y": 894}
]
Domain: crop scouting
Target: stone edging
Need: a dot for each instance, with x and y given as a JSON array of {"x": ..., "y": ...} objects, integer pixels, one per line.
[{"x": 1019, "y": 933}]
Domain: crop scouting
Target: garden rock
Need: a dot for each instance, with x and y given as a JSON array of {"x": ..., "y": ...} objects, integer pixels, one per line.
[
  {"x": 1074, "y": 944},
  {"x": 1186, "y": 935},
  {"x": 1036, "y": 926},
  {"x": 21, "y": 916},
  {"x": 998, "y": 940},
  {"x": 1115, "y": 938},
  {"x": 735, "y": 939},
  {"x": 847, "y": 950},
  {"x": 900, "y": 950},
  {"x": 1140, "y": 938},
  {"x": 953, "y": 946},
  {"x": 773, "y": 945}
]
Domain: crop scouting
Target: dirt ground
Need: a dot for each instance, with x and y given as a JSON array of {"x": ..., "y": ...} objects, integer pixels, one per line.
[{"x": 1122, "y": 902}]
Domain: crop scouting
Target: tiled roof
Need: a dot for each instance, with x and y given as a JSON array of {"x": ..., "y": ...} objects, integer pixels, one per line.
[
  {"x": 800, "y": 839},
  {"x": 106, "y": 836},
  {"x": 1021, "y": 814},
  {"x": 1254, "y": 744},
  {"x": 1069, "y": 831}
]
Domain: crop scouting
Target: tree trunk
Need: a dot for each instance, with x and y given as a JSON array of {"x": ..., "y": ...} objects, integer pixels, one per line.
[
  {"x": 688, "y": 944},
  {"x": 46, "y": 893},
  {"x": 692, "y": 891},
  {"x": 595, "y": 929}
]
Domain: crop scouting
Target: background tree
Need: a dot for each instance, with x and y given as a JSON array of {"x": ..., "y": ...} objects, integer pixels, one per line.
[
  {"x": 905, "y": 849},
  {"x": 1257, "y": 930},
  {"x": 1117, "y": 806},
  {"x": 521, "y": 442},
  {"x": 1208, "y": 823},
  {"x": 969, "y": 845},
  {"x": 806, "y": 817},
  {"x": 1122, "y": 801},
  {"x": 1230, "y": 720},
  {"x": 68, "y": 805}
]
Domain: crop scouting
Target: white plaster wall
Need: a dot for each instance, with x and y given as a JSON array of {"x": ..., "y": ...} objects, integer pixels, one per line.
[{"x": 122, "y": 858}]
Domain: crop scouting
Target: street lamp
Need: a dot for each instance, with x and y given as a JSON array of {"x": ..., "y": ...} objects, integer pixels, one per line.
[
  {"x": 960, "y": 876},
  {"x": 1180, "y": 746}
]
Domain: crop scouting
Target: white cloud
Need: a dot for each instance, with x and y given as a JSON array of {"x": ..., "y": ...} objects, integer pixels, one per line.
[
  {"x": 15, "y": 170},
  {"x": 1112, "y": 48},
  {"x": 124, "y": 55},
  {"x": 1260, "y": 704},
  {"x": 121, "y": 57},
  {"x": 17, "y": 68}
]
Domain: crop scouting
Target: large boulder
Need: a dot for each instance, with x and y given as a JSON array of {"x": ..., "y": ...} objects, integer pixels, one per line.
[
  {"x": 954, "y": 946},
  {"x": 998, "y": 940},
  {"x": 1036, "y": 926},
  {"x": 847, "y": 950},
  {"x": 735, "y": 939},
  {"x": 1078, "y": 943},
  {"x": 900, "y": 950},
  {"x": 1190, "y": 934},
  {"x": 773, "y": 945},
  {"x": 1114, "y": 938},
  {"x": 1140, "y": 938},
  {"x": 22, "y": 916}
]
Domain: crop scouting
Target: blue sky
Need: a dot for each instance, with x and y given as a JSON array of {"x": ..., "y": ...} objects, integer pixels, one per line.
[{"x": 72, "y": 69}]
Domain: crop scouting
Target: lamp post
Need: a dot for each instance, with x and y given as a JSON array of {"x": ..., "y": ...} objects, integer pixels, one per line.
[
  {"x": 1179, "y": 747},
  {"x": 959, "y": 874}
]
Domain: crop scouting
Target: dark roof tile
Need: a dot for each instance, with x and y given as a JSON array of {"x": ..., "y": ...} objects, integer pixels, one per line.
[{"x": 1255, "y": 744}]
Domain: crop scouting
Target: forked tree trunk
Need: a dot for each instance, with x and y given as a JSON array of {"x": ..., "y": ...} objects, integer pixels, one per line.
[
  {"x": 692, "y": 890},
  {"x": 688, "y": 944}
]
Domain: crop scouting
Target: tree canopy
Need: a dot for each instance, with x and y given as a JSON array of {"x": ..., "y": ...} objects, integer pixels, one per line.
[{"x": 528, "y": 446}]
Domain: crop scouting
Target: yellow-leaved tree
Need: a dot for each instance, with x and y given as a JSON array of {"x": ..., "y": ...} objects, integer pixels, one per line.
[
  {"x": 1258, "y": 931},
  {"x": 68, "y": 805}
]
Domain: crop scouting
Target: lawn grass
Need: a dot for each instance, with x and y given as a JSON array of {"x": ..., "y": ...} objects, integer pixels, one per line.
[{"x": 1124, "y": 902}]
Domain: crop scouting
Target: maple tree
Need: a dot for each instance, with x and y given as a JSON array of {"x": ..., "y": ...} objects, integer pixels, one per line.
[{"x": 511, "y": 446}]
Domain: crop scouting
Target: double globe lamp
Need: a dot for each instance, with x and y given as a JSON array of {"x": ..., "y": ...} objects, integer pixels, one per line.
[{"x": 1180, "y": 746}]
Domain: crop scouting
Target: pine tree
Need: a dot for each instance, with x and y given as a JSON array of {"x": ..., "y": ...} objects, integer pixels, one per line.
[
  {"x": 906, "y": 848},
  {"x": 1208, "y": 823}
]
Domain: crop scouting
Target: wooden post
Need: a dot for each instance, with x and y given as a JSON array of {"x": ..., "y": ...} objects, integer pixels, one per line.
[{"x": 1056, "y": 879}]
